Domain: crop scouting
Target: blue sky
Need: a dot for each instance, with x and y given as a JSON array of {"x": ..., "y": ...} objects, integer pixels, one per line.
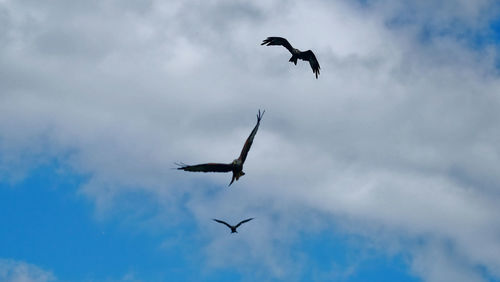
[
  {"x": 386, "y": 168},
  {"x": 51, "y": 226}
]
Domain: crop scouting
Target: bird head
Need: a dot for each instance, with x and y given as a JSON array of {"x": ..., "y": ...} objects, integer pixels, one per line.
[{"x": 239, "y": 174}]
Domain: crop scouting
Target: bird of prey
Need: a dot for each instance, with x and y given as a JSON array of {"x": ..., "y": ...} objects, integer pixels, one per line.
[
  {"x": 296, "y": 53},
  {"x": 236, "y": 166},
  {"x": 233, "y": 228}
]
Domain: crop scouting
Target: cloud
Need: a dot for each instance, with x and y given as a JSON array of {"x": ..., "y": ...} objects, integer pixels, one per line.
[
  {"x": 396, "y": 141},
  {"x": 11, "y": 270},
  {"x": 444, "y": 266}
]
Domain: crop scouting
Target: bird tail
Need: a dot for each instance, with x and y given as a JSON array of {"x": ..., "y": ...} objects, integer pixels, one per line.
[
  {"x": 236, "y": 176},
  {"x": 232, "y": 180},
  {"x": 293, "y": 59}
]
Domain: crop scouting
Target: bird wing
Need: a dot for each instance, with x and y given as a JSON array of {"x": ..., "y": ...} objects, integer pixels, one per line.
[
  {"x": 210, "y": 167},
  {"x": 223, "y": 222},
  {"x": 277, "y": 41},
  {"x": 248, "y": 143},
  {"x": 243, "y": 221},
  {"x": 309, "y": 56}
]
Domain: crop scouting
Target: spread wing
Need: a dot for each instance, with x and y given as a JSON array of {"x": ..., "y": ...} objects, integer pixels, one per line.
[
  {"x": 309, "y": 56},
  {"x": 277, "y": 41},
  {"x": 243, "y": 221},
  {"x": 248, "y": 143},
  {"x": 210, "y": 167},
  {"x": 223, "y": 222}
]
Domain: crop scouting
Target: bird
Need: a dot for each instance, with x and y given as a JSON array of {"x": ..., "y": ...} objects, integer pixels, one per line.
[
  {"x": 296, "y": 53},
  {"x": 233, "y": 228},
  {"x": 235, "y": 166}
]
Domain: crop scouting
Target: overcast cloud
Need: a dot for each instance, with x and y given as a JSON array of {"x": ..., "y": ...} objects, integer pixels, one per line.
[{"x": 397, "y": 141}]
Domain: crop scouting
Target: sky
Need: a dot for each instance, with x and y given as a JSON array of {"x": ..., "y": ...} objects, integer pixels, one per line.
[{"x": 386, "y": 168}]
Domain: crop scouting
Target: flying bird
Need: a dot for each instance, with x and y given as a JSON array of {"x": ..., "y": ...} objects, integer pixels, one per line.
[
  {"x": 235, "y": 166},
  {"x": 233, "y": 228},
  {"x": 296, "y": 53}
]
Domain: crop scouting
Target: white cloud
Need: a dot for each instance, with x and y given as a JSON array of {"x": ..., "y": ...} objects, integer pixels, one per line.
[
  {"x": 444, "y": 265},
  {"x": 18, "y": 271},
  {"x": 397, "y": 140}
]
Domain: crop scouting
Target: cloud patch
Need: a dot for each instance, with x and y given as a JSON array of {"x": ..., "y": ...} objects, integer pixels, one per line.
[{"x": 19, "y": 271}]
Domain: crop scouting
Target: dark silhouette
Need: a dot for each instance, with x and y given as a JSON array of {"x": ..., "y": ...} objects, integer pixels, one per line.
[
  {"x": 296, "y": 53},
  {"x": 233, "y": 228},
  {"x": 236, "y": 166}
]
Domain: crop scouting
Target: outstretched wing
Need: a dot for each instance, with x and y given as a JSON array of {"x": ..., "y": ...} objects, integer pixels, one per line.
[
  {"x": 309, "y": 56},
  {"x": 248, "y": 143},
  {"x": 223, "y": 222},
  {"x": 243, "y": 221},
  {"x": 277, "y": 41},
  {"x": 210, "y": 167}
]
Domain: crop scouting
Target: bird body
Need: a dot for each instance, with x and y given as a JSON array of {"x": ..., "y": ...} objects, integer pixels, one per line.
[
  {"x": 236, "y": 166},
  {"x": 233, "y": 227},
  {"x": 296, "y": 53},
  {"x": 237, "y": 170}
]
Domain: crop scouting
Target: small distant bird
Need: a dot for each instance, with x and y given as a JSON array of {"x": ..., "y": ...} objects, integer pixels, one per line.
[
  {"x": 296, "y": 53},
  {"x": 233, "y": 228},
  {"x": 236, "y": 166}
]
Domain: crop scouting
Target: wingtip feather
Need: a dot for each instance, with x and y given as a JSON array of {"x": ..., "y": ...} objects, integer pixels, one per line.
[{"x": 260, "y": 115}]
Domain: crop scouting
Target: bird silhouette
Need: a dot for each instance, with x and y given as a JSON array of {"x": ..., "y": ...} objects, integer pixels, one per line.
[
  {"x": 235, "y": 166},
  {"x": 296, "y": 53},
  {"x": 233, "y": 228}
]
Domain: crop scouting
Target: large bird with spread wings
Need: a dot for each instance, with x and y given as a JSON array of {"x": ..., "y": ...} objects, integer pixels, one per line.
[
  {"x": 235, "y": 166},
  {"x": 296, "y": 53},
  {"x": 233, "y": 228}
]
